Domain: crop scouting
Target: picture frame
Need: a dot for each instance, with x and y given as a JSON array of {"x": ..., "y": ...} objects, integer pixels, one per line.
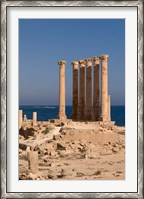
[{"x": 4, "y": 99}]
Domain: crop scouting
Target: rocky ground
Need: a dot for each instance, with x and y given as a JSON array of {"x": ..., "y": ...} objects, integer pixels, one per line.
[{"x": 73, "y": 150}]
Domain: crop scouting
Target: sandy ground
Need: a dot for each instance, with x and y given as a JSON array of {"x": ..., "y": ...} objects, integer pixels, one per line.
[{"x": 73, "y": 151}]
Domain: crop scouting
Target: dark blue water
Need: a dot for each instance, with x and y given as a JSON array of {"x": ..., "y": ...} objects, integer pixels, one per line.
[{"x": 50, "y": 112}]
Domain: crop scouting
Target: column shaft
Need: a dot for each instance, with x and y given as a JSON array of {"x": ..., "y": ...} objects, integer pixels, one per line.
[
  {"x": 20, "y": 119},
  {"x": 109, "y": 108},
  {"x": 62, "y": 115},
  {"x": 25, "y": 118},
  {"x": 96, "y": 104},
  {"x": 82, "y": 91},
  {"x": 104, "y": 88},
  {"x": 34, "y": 118},
  {"x": 75, "y": 90},
  {"x": 88, "y": 89}
]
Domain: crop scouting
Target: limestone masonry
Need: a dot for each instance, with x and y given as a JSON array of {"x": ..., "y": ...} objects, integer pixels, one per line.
[
  {"x": 86, "y": 83},
  {"x": 62, "y": 115}
]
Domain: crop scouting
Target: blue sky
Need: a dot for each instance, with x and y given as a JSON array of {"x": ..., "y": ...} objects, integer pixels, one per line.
[{"x": 43, "y": 42}]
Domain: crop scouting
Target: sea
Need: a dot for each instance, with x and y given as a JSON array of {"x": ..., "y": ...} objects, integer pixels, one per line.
[{"x": 50, "y": 112}]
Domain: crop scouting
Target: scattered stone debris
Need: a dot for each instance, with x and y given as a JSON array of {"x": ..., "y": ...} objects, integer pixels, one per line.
[{"x": 72, "y": 150}]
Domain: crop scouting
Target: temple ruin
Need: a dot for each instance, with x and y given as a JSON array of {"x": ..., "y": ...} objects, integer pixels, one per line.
[
  {"x": 86, "y": 85},
  {"x": 90, "y": 99},
  {"x": 75, "y": 149}
]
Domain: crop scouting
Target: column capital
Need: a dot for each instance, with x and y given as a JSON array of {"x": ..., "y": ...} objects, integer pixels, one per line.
[
  {"x": 75, "y": 64},
  {"x": 96, "y": 60},
  {"x": 61, "y": 62},
  {"x": 104, "y": 57},
  {"x": 88, "y": 61},
  {"x": 82, "y": 63}
]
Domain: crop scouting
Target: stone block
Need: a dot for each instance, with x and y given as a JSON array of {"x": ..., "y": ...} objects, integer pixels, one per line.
[{"x": 33, "y": 162}]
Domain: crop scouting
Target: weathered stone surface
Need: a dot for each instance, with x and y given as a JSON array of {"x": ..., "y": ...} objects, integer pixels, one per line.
[
  {"x": 53, "y": 154},
  {"x": 22, "y": 146},
  {"x": 61, "y": 146},
  {"x": 88, "y": 111},
  {"x": 20, "y": 119},
  {"x": 23, "y": 155},
  {"x": 25, "y": 118},
  {"x": 93, "y": 155},
  {"x": 26, "y": 132},
  {"x": 115, "y": 149},
  {"x": 96, "y": 89},
  {"x": 33, "y": 162},
  {"x": 68, "y": 172},
  {"x": 56, "y": 137},
  {"x": 75, "y": 90},
  {"x": 104, "y": 112},
  {"x": 81, "y": 113},
  {"x": 32, "y": 176},
  {"x": 109, "y": 108},
  {"x": 34, "y": 118},
  {"x": 86, "y": 150},
  {"x": 62, "y": 114},
  {"x": 98, "y": 172}
]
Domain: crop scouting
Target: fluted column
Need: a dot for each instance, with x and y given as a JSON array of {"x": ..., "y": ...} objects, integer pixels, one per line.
[
  {"x": 75, "y": 65},
  {"x": 104, "y": 88},
  {"x": 109, "y": 108},
  {"x": 88, "y": 113},
  {"x": 96, "y": 104},
  {"x": 62, "y": 114},
  {"x": 20, "y": 119},
  {"x": 81, "y": 111}
]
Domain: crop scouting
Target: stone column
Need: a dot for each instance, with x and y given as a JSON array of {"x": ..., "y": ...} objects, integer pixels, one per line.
[
  {"x": 109, "y": 108},
  {"x": 25, "y": 118},
  {"x": 88, "y": 114},
  {"x": 34, "y": 118},
  {"x": 20, "y": 118},
  {"x": 96, "y": 104},
  {"x": 62, "y": 114},
  {"x": 75, "y": 90},
  {"x": 82, "y": 91},
  {"x": 33, "y": 162},
  {"x": 104, "y": 88}
]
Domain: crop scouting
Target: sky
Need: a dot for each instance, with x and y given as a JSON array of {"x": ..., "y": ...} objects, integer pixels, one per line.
[{"x": 44, "y": 42}]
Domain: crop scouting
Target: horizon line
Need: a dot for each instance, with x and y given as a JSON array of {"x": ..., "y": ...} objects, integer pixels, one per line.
[{"x": 58, "y": 105}]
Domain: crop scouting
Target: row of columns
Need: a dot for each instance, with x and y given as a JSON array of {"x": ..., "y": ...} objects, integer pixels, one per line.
[{"x": 83, "y": 109}]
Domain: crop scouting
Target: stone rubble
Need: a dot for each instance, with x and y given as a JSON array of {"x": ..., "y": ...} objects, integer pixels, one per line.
[{"x": 74, "y": 150}]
